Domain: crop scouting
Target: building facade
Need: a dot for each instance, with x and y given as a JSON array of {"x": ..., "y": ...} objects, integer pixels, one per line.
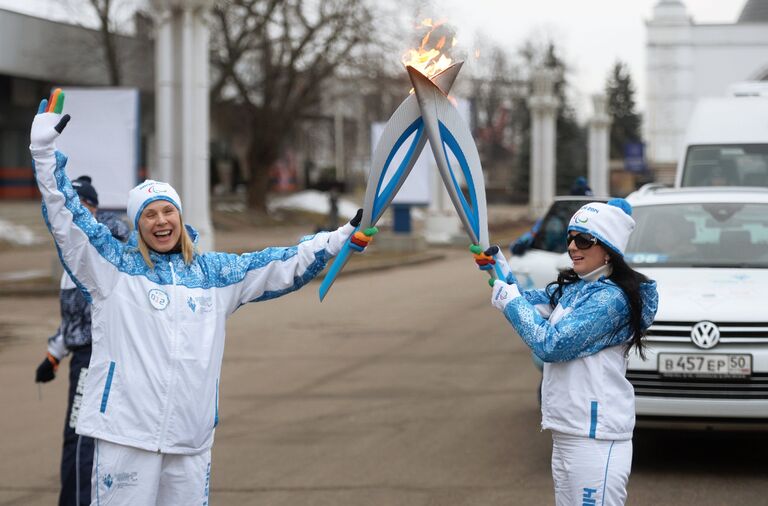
[{"x": 687, "y": 61}]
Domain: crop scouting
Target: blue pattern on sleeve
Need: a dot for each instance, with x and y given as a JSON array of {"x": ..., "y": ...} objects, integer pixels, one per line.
[
  {"x": 599, "y": 318},
  {"x": 206, "y": 271},
  {"x": 536, "y": 297}
]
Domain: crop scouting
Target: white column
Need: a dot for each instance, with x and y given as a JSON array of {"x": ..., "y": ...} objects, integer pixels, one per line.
[
  {"x": 670, "y": 80},
  {"x": 543, "y": 106},
  {"x": 165, "y": 91},
  {"x": 599, "y": 133},
  {"x": 182, "y": 108}
]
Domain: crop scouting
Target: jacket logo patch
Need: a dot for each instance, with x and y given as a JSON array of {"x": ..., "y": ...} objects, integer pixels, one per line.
[
  {"x": 158, "y": 298},
  {"x": 200, "y": 304}
]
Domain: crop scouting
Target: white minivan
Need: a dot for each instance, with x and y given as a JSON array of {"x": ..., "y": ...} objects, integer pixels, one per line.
[{"x": 726, "y": 141}]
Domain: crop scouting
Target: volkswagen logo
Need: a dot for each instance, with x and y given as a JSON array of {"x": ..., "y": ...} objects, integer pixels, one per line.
[{"x": 705, "y": 335}]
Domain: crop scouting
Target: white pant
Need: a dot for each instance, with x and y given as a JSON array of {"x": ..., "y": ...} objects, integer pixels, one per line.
[
  {"x": 123, "y": 475},
  {"x": 590, "y": 472}
]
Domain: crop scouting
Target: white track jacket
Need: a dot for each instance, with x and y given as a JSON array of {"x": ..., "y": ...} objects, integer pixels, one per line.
[
  {"x": 582, "y": 341},
  {"x": 158, "y": 334}
]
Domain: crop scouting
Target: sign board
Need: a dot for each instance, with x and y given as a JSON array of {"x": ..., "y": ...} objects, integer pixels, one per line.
[
  {"x": 417, "y": 188},
  {"x": 102, "y": 140},
  {"x": 634, "y": 157}
]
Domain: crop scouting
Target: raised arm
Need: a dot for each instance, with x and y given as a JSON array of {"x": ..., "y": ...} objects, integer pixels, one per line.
[
  {"x": 599, "y": 321},
  {"x": 273, "y": 272},
  {"x": 87, "y": 249}
]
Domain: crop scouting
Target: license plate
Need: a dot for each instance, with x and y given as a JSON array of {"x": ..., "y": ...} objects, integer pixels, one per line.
[{"x": 713, "y": 365}]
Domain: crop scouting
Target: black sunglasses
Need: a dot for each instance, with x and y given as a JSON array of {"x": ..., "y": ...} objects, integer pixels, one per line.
[{"x": 583, "y": 241}]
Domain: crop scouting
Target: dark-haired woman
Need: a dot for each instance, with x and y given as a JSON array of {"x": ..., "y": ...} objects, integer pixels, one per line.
[{"x": 582, "y": 326}]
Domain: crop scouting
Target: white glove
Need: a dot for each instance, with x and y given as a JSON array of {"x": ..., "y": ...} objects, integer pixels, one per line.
[
  {"x": 47, "y": 126},
  {"x": 504, "y": 267},
  {"x": 503, "y": 294},
  {"x": 338, "y": 237}
]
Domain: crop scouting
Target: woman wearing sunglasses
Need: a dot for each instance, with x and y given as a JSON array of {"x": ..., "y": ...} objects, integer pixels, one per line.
[{"x": 582, "y": 326}]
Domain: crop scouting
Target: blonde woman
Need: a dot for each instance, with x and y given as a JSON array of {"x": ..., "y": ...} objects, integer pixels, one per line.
[{"x": 158, "y": 316}]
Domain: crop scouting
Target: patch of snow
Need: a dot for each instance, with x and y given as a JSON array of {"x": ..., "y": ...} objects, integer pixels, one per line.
[
  {"x": 313, "y": 201},
  {"x": 18, "y": 234}
]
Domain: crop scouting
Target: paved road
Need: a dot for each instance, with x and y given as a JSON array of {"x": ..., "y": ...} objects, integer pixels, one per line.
[{"x": 404, "y": 388}]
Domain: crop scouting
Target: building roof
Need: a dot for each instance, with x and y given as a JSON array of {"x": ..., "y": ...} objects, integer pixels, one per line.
[{"x": 755, "y": 11}]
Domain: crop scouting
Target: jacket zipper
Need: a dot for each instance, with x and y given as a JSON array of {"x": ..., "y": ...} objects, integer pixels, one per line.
[{"x": 172, "y": 381}]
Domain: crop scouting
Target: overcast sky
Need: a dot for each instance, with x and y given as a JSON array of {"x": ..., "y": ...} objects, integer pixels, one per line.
[{"x": 593, "y": 34}]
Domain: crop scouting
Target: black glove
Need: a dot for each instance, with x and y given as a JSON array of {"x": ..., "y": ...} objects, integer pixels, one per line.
[
  {"x": 357, "y": 219},
  {"x": 46, "y": 371}
]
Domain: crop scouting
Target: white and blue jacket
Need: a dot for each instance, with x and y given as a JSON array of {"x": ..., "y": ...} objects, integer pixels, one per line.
[
  {"x": 158, "y": 334},
  {"x": 582, "y": 341}
]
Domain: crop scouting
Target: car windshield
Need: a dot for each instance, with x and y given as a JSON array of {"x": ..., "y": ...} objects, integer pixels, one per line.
[
  {"x": 700, "y": 235},
  {"x": 726, "y": 165}
]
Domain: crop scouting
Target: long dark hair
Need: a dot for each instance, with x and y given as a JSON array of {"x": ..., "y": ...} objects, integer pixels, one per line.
[{"x": 626, "y": 278}]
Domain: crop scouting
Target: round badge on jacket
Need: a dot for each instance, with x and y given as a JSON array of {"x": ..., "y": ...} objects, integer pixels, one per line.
[{"x": 158, "y": 298}]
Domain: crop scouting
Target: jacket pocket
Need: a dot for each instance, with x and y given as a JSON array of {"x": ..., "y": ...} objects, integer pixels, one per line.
[
  {"x": 216, "y": 406},
  {"x": 107, "y": 388}
]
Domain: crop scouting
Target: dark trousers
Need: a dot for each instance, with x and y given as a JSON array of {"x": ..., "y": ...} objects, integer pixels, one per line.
[{"x": 78, "y": 370}]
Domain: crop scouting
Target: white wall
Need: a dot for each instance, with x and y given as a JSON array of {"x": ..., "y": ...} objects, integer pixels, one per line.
[{"x": 686, "y": 62}]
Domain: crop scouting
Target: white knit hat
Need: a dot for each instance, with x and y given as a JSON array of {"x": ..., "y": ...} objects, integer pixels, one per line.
[
  {"x": 610, "y": 223},
  {"x": 148, "y": 192}
]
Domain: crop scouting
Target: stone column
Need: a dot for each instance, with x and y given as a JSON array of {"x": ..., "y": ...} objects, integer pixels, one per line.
[
  {"x": 543, "y": 106},
  {"x": 599, "y": 152},
  {"x": 670, "y": 80},
  {"x": 181, "y": 108}
]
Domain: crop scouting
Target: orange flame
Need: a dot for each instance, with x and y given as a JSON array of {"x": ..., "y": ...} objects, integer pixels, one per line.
[{"x": 429, "y": 60}]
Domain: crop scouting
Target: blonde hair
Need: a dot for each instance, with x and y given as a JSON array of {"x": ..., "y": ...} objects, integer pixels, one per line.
[{"x": 188, "y": 249}]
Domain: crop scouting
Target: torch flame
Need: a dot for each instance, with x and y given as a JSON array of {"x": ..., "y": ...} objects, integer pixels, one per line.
[{"x": 429, "y": 60}]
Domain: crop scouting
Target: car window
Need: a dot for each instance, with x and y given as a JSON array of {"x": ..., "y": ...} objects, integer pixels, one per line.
[
  {"x": 552, "y": 232},
  {"x": 700, "y": 235},
  {"x": 726, "y": 165}
]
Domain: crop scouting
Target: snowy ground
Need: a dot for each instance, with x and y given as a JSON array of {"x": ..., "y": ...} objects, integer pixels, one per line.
[
  {"x": 18, "y": 234},
  {"x": 317, "y": 202}
]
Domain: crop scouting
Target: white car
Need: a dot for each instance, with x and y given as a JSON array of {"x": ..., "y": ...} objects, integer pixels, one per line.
[{"x": 707, "y": 355}]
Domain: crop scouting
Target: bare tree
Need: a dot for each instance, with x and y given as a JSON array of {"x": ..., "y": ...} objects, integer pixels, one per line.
[
  {"x": 271, "y": 61},
  {"x": 109, "y": 19},
  {"x": 103, "y": 10}
]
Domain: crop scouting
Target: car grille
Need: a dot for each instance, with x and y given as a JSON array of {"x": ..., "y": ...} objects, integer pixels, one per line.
[
  {"x": 653, "y": 384},
  {"x": 730, "y": 332}
]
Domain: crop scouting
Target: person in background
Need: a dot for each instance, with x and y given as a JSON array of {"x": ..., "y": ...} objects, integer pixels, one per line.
[
  {"x": 74, "y": 337},
  {"x": 580, "y": 187},
  {"x": 582, "y": 326}
]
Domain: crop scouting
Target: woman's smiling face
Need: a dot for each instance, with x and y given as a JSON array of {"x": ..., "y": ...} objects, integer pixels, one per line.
[
  {"x": 160, "y": 226},
  {"x": 587, "y": 259}
]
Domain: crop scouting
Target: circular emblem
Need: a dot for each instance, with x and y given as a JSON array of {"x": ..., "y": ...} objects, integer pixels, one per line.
[
  {"x": 157, "y": 189},
  {"x": 580, "y": 218},
  {"x": 705, "y": 335},
  {"x": 158, "y": 298}
]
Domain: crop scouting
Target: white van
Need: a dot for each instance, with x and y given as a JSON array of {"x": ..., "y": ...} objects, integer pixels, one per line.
[{"x": 726, "y": 143}]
